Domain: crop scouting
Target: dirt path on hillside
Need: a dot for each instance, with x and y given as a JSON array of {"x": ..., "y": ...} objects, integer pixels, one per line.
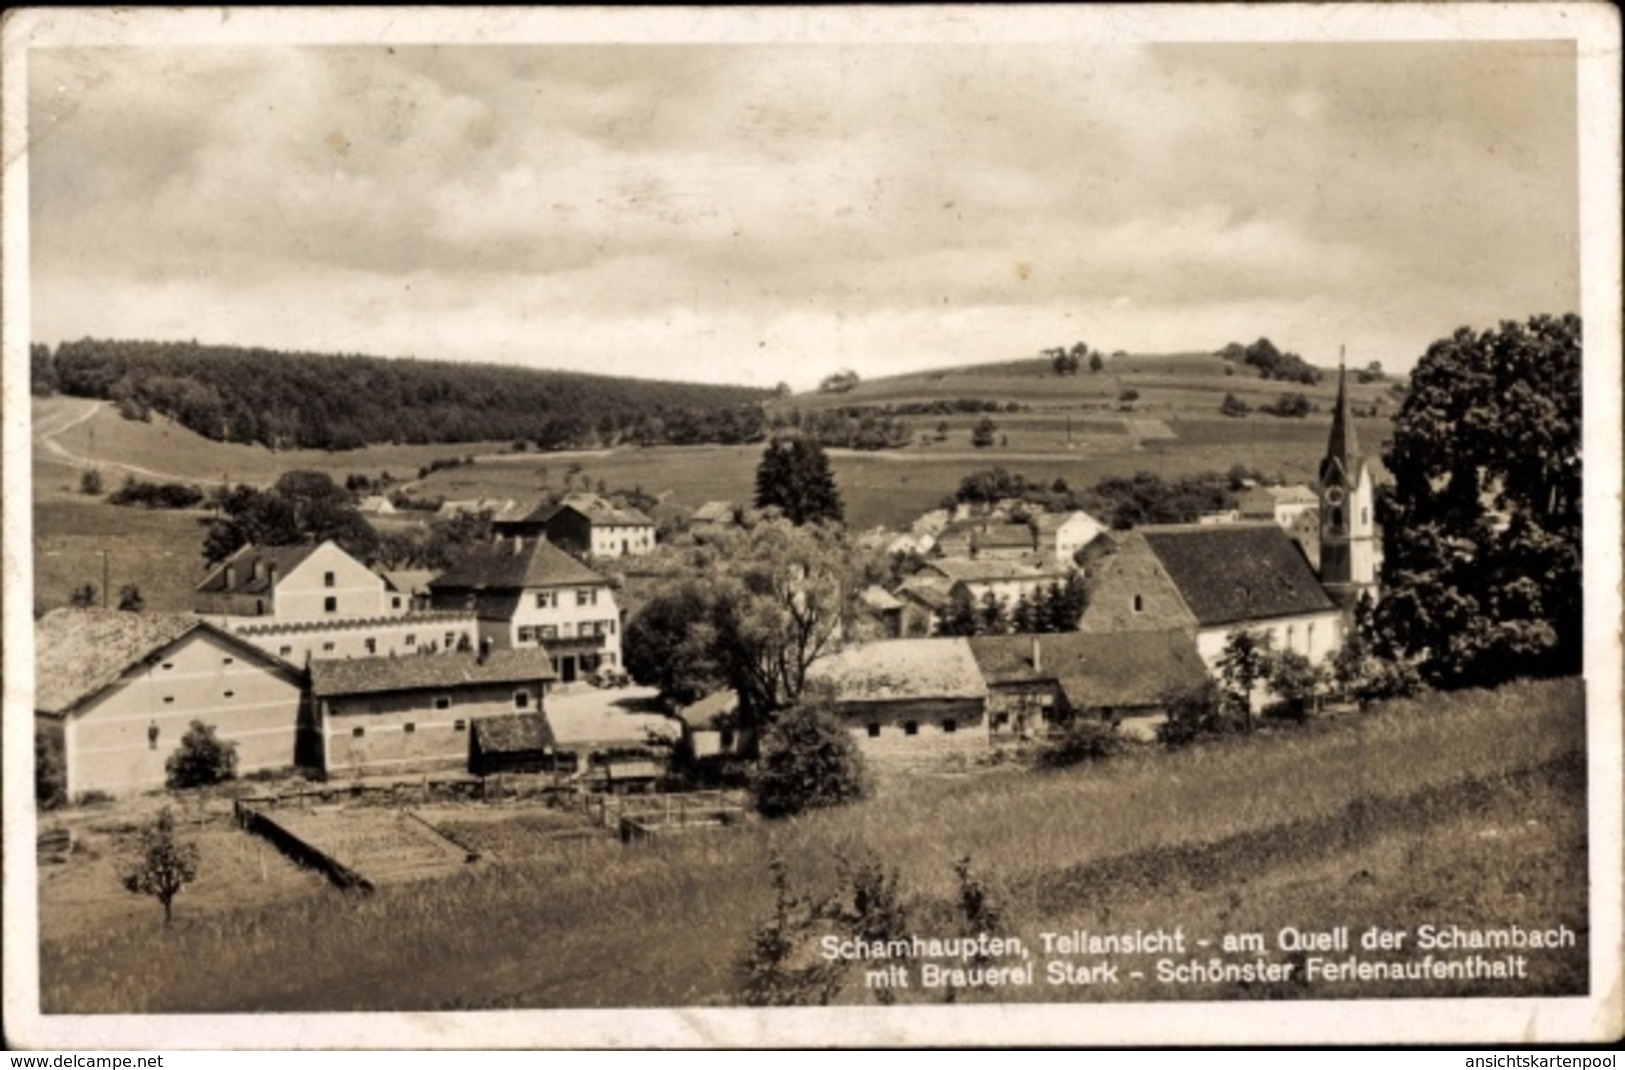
[{"x": 45, "y": 440}]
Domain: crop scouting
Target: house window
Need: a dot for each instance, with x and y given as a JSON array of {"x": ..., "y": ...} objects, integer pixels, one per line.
[
  {"x": 330, "y": 604},
  {"x": 610, "y": 625},
  {"x": 950, "y": 726},
  {"x": 521, "y": 700},
  {"x": 1139, "y": 603},
  {"x": 459, "y": 725},
  {"x": 527, "y": 634},
  {"x": 371, "y": 645},
  {"x": 327, "y": 648},
  {"x": 586, "y": 596},
  {"x": 395, "y": 602},
  {"x": 727, "y": 739},
  {"x": 409, "y": 728},
  {"x": 547, "y": 599},
  {"x": 167, "y": 665},
  {"x": 284, "y": 651},
  {"x": 1365, "y": 516},
  {"x": 168, "y": 699},
  {"x": 442, "y": 702},
  {"x": 227, "y": 661},
  {"x": 874, "y": 730},
  {"x": 229, "y": 694},
  {"x": 357, "y": 732},
  {"x": 328, "y": 579},
  {"x": 549, "y": 632},
  {"x": 1001, "y": 720},
  {"x": 911, "y": 728},
  {"x": 410, "y": 640},
  {"x": 451, "y": 640}
]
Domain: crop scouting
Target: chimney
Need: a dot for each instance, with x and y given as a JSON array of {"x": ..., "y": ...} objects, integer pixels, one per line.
[
  {"x": 485, "y": 650},
  {"x": 270, "y": 572},
  {"x": 1038, "y": 662},
  {"x": 518, "y": 545},
  {"x": 257, "y": 567},
  {"x": 231, "y": 577}
]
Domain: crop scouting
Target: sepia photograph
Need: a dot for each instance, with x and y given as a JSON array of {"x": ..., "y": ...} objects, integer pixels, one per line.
[{"x": 828, "y": 526}]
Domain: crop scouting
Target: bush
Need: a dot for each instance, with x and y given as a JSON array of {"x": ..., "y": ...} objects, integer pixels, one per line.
[
  {"x": 157, "y": 495},
  {"x": 201, "y": 759},
  {"x": 1082, "y": 739},
  {"x": 90, "y": 482},
  {"x": 1195, "y": 713},
  {"x": 1234, "y": 406},
  {"x": 1291, "y": 405},
  {"x": 809, "y": 760},
  {"x": 982, "y": 435},
  {"x": 1128, "y": 394}
]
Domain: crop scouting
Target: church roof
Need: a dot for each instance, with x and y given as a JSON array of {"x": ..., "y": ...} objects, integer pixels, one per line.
[
  {"x": 1343, "y": 445},
  {"x": 1236, "y": 572}
]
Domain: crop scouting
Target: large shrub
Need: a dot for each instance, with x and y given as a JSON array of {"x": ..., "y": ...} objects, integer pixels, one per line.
[
  {"x": 202, "y": 758},
  {"x": 1082, "y": 739},
  {"x": 808, "y": 760}
]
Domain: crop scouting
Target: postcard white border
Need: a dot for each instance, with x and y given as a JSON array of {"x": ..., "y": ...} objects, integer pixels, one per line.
[{"x": 1433, "y": 1021}]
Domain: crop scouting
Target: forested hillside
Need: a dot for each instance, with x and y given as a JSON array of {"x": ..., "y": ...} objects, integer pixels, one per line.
[{"x": 325, "y": 401}]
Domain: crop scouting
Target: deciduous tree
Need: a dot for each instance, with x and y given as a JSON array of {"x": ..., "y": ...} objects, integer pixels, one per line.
[
  {"x": 795, "y": 477},
  {"x": 163, "y": 865}
]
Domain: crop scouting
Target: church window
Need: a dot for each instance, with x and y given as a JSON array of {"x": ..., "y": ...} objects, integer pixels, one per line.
[
  {"x": 1365, "y": 516},
  {"x": 1139, "y": 603},
  {"x": 1337, "y": 518}
]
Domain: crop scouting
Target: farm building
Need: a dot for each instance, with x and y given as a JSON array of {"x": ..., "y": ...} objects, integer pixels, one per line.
[
  {"x": 712, "y": 729},
  {"x": 1211, "y": 581},
  {"x": 405, "y": 715},
  {"x": 1062, "y": 535},
  {"x": 304, "y": 582},
  {"x": 528, "y": 593},
  {"x": 301, "y": 642},
  {"x": 909, "y": 696},
  {"x": 718, "y": 513},
  {"x": 1123, "y": 677},
  {"x": 511, "y": 743},
  {"x": 1280, "y": 505},
  {"x": 1007, "y": 581},
  {"x": 119, "y": 690},
  {"x": 883, "y": 610},
  {"x": 585, "y": 524},
  {"x": 927, "y": 599}
]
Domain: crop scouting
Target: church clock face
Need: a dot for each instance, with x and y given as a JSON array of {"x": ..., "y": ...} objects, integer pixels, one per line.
[{"x": 1334, "y": 495}]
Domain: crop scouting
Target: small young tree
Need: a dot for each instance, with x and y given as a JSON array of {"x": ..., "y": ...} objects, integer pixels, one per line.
[
  {"x": 1296, "y": 681},
  {"x": 163, "y": 865},
  {"x": 50, "y": 771},
  {"x": 982, "y": 436},
  {"x": 809, "y": 760},
  {"x": 1233, "y": 406},
  {"x": 84, "y": 596},
  {"x": 870, "y": 905},
  {"x": 1096, "y": 362},
  {"x": 1081, "y": 739},
  {"x": 1194, "y": 713},
  {"x": 777, "y": 969},
  {"x": 202, "y": 758},
  {"x": 130, "y": 599},
  {"x": 91, "y": 481},
  {"x": 993, "y": 618},
  {"x": 1242, "y": 665}
]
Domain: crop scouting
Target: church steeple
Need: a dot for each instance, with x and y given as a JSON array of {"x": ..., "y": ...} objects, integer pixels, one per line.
[{"x": 1348, "y": 556}]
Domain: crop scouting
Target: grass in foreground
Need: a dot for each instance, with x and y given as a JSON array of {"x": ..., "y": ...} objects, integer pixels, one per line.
[{"x": 1407, "y": 815}]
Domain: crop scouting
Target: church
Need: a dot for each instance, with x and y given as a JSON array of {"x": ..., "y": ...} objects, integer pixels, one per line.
[{"x": 1212, "y": 580}]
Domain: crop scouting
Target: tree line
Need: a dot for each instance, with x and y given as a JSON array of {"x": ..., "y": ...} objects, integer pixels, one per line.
[{"x": 300, "y": 400}]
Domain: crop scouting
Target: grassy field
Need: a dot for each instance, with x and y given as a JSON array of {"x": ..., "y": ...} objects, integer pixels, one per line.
[{"x": 1467, "y": 809}]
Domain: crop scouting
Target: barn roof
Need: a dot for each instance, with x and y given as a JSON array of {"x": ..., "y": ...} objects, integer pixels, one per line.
[
  {"x": 597, "y": 509},
  {"x": 710, "y": 710},
  {"x": 517, "y": 564},
  {"x": 512, "y": 733},
  {"x": 961, "y": 570},
  {"x": 261, "y": 559},
  {"x": 1003, "y": 535},
  {"x": 79, "y": 652},
  {"x": 365, "y": 676},
  {"x": 714, "y": 512},
  {"x": 1096, "y": 669},
  {"x": 1236, "y": 572},
  {"x": 896, "y": 669},
  {"x": 933, "y": 592}
]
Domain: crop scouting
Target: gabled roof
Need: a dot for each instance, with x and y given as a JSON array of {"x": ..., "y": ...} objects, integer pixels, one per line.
[
  {"x": 516, "y": 564},
  {"x": 714, "y": 512},
  {"x": 962, "y": 570},
  {"x": 1049, "y": 523},
  {"x": 878, "y": 598},
  {"x": 711, "y": 710},
  {"x": 900, "y": 669},
  {"x": 408, "y": 580},
  {"x": 416, "y": 672},
  {"x": 600, "y": 510},
  {"x": 1004, "y": 535},
  {"x": 281, "y": 559},
  {"x": 1236, "y": 572},
  {"x": 1096, "y": 669},
  {"x": 80, "y": 652},
  {"x": 933, "y": 592},
  {"x": 512, "y": 733}
]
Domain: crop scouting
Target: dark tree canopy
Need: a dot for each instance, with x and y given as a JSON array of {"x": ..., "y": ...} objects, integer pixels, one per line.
[
  {"x": 1482, "y": 525},
  {"x": 795, "y": 477},
  {"x": 302, "y": 506}
]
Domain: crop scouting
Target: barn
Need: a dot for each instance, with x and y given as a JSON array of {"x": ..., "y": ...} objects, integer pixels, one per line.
[{"x": 906, "y": 697}]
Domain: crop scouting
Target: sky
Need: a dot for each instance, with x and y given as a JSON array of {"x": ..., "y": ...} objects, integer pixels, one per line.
[{"x": 759, "y": 213}]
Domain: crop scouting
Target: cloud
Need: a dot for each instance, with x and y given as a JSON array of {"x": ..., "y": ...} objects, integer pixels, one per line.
[{"x": 701, "y": 210}]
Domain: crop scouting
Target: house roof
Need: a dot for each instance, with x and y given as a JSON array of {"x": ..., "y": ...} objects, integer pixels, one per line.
[
  {"x": 933, "y": 592},
  {"x": 79, "y": 652},
  {"x": 1236, "y": 572},
  {"x": 262, "y": 559},
  {"x": 365, "y": 676},
  {"x": 710, "y": 710},
  {"x": 714, "y": 512},
  {"x": 1266, "y": 499},
  {"x": 963, "y": 570},
  {"x": 599, "y": 510},
  {"x": 1004, "y": 535},
  {"x": 878, "y": 598},
  {"x": 1096, "y": 669},
  {"x": 474, "y": 505},
  {"x": 1050, "y": 523},
  {"x": 516, "y": 564},
  {"x": 895, "y": 669},
  {"x": 512, "y": 733}
]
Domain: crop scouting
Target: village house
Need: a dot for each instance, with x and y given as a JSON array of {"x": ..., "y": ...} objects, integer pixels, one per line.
[
  {"x": 451, "y": 510},
  {"x": 587, "y": 524},
  {"x": 1062, "y": 535},
  {"x": 408, "y": 715},
  {"x": 717, "y": 513},
  {"x": 1007, "y": 581},
  {"x": 1281, "y": 505},
  {"x": 528, "y": 593},
  {"x": 883, "y": 611},
  {"x": 927, "y": 598},
  {"x": 1124, "y": 678},
  {"x": 1211, "y": 581},
  {"x": 118, "y": 691},
  {"x": 712, "y": 727},
  {"x": 909, "y": 697},
  {"x": 512, "y": 743},
  {"x": 312, "y": 601}
]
